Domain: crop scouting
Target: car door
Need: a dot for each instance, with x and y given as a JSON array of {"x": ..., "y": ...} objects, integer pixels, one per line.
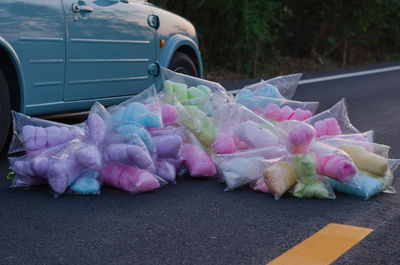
[{"x": 110, "y": 46}]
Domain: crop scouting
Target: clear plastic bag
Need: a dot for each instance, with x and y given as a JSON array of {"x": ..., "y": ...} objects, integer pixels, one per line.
[
  {"x": 278, "y": 87},
  {"x": 309, "y": 183},
  {"x": 130, "y": 178},
  {"x": 369, "y": 183},
  {"x": 278, "y": 109},
  {"x": 196, "y": 159},
  {"x": 333, "y": 162},
  {"x": 167, "y": 151},
  {"x": 367, "y": 136},
  {"x": 33, "y": 134},
  {"x": 243, "y": 167},
  {"x": 216, "y": 93},
  {"x": 280, "y": 177},
  {"x": 296, "y": 135},
  {"x": 143, "y": 109},
  {"x": 239, "y": 128},
  {"x": 334, "y": 121},
  {"x": 74, "y": 165}
]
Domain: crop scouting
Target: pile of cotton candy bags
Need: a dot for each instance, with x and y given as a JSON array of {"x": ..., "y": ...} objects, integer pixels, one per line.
[{"x": 260, "y": 138}]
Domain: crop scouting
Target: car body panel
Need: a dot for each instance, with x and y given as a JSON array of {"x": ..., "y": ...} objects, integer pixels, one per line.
[
  {"x": 35, "y": 31},
  {"x": 108, "y": 50},
  {"x": 175, "y": 35},
  {"x": 37, "y": 34}
]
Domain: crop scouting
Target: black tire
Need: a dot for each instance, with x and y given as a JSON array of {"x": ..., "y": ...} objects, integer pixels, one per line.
[
  {"x": 182, "y": 63},
  {"x": 5, "y": 110}
]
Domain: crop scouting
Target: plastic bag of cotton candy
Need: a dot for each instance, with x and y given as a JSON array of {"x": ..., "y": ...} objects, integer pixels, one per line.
[
  {"x": 237, "y": 128},
  {"x": 300, "y": 138},
  {"x": 334, "y": 121},
  {"x": 73, "y": 166},
  {"x": 242, "y": 168},
  {"x": 128, "y": 165},
  {"x": 271, "y": 99},
  {"x": 138, "y": 113},
  {"x": 193, "y": 93},
  {"x": 195, "y": 158},
  {"x": 33, "y": 135},
  {"x": 374, "y": 168}
]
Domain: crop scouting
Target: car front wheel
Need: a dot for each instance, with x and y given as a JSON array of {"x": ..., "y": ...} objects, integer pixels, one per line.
[
  {"x": 182, "y": 63},
  {"x": 5, "y": 110}
]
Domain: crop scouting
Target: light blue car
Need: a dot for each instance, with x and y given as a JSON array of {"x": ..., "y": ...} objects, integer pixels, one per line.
[{"x": 63, "y": 55}]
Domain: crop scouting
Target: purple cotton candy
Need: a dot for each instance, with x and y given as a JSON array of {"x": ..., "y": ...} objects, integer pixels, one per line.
[
  {"x": 56, "y": 136},
  {"x": 95, "y": 129},
  {"x": 165, "y": 170},
  {"x": 167, "y": 146},
  {"x": 176, "y": 162},
  {"x": 62, "y": 174},
  {"x": 37, "y": 138},
  {"x": 36, "y": 166},
  {"x": 89, "y": 157},
  {"x": 130, "y": 155}
]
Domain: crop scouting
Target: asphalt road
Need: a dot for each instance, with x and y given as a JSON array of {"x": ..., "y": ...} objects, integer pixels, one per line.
[{"x": 195, "y": 222}]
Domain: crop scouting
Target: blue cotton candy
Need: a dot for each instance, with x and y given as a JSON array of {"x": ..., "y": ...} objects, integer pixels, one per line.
[
  {"x": 244, "y": 94},
  {"x": 136, "y": 129},
  {"x": 269, "y": 91},
  {"x": 87, "y": 184},
  {"x": 137, "y": 113},
  {"x": 361, "y": 186}
]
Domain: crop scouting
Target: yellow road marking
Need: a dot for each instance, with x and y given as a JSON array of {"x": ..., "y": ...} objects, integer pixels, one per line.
[{"x": 323, "y": 247}]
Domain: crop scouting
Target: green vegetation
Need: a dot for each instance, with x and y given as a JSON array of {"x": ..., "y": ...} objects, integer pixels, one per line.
[{"x": 253, "y": 37}]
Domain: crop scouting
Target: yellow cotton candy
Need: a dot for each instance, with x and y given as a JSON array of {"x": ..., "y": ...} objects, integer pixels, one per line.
[
  {"x": 280, "y": 177},
  {"x": 366, "y": 160}
]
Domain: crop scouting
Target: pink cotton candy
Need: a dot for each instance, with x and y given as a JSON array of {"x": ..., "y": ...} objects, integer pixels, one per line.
[
  {"x": 225, "y": 143},
  {"x": 327, "y": 126},
  {"x": 301, "y": 115},
  {"x": 273, "y": 112},
  {"x": 261, "y": 186},
  {"x": 286, "y": 113},
  {"x": 128, "y": 178},
  {"x": 300, "y": 138},
  {"x": 198, "y": 162},
  {"x": 337, "y": 167},
  {"x": 169, "y": 114},
  {"x": 243, "y": 146}
]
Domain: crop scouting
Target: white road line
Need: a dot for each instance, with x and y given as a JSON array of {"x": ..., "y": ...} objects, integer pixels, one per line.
[{"x": 342, "y": 76}]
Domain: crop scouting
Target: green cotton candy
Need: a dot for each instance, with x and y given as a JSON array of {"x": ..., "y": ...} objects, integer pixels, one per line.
[
  {"x": 195, "y": 122},
  {"x": 168, "y": 86},
  {"x": 207, "y": 133},
  {"x": 181, "y": 92},
  {"x": 302, "y": 190},
  {"x": 309, "y": 185},
  {"x": 206, "y": 90},
  {"x": 306, "y": 169},
  {"x": 194, "y": 92},
  {"x": 196, "y": 97}
]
